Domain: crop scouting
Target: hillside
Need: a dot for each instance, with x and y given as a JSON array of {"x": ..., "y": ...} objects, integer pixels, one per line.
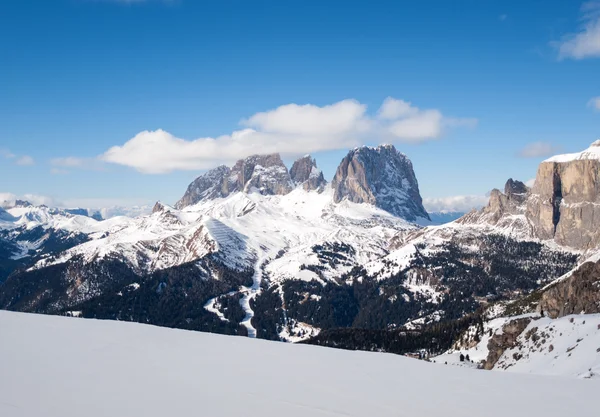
[{"x": 106, "y": 368}]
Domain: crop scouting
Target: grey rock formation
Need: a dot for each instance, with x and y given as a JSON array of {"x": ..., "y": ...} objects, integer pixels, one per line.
[
  {"x": 503, "y": 209},
  {"x": 265, "y": 174},
  {"x": 504, "y": 340},
  {"x": 213, "y": 184},
  {"x": 580, "y": 292},
  {"x": 565, "y": 201},
  {"x": 304, "y": 172},
  {"x": 158, "y": 207},
  {"x": 381, "y": 176}
]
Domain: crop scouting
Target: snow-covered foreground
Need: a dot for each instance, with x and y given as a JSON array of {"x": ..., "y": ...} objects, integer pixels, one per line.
[{"x": 60, "y": 367}]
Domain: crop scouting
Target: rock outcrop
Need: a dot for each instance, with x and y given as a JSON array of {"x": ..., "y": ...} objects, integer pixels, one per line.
[
  {"x": 505, "y": 209},
  {"x": 213, "y": 184},
  {"x": 504, "y": 340},
  {"x": 577, "y": 293},
  {"x": 565, "y": 200},
  {"x": 305, "y": 173},
  {"x": 265, "y": 174},
  {"x": 380, "y": 176}
]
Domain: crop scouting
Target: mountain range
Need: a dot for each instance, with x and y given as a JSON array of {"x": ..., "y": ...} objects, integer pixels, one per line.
[{"x": 259, "y": 250}]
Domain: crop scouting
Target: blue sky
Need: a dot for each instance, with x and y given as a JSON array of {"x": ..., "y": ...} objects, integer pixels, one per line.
[{"x": 471, "y": 86}]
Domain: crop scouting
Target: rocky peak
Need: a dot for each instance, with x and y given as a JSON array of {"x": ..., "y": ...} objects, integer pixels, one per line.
[
  {"x": 22, "y": 203},
  {"x": 516, "y": 190},
  {"x": 305, "y": 172},
  {"x": 503, "y": 208},
  {"x": 210, "y": 185},
  {"x": 381, "y": 176},
  {"x": 158, "y": 207},
  {"x": 265, "y": 174}
]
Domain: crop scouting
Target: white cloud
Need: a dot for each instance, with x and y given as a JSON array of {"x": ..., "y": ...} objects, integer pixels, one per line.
[
  {"x": 530, "y": 182},
  {"x": 458, "y": 203},
  {"x": 585, "y": 43},
  {"x": 393, "y": 109},
  {"x": 539, "y": 150},
  {"x": 35, "y": 199},
  {"x": 25, "y": 160},
  {"x": 68, "y": 162},
  {"x": 5, "y": 153},
  {"x": 58, "y": 171},
  {"x": 594, "y": 103},
  {"x": 290, "y": 130}
]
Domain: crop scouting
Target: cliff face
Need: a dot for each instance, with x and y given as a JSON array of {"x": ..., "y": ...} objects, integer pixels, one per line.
[
  {"x": 563, "y": 205},
  {"x": 265, "y": 174},
  {"x": 304, "y": 172},
  {"x": 211, "y": 185},
  {"x": 565, "y": 200},
  {"x": 380, "y": 176}
]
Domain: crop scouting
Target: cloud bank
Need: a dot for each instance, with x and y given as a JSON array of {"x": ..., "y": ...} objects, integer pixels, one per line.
[
  {"x": 585, "y": 43},
  {"x": 290, "y": 130},
  {"x": 539, "y": 150},
  {"x": 459, "y": 203}
]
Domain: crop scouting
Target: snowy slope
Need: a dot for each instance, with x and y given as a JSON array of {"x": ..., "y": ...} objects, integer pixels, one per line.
[
  {"x": 593, "y": 152},
  {"x": 246, "y": 227},
  {"x": 568, "y": 346},
  {"x": 62, "y": 367}
]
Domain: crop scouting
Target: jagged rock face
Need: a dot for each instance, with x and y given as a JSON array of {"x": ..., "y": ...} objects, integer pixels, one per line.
[
  {"x": 504, "y": 340},
  {"x": 211, "y": 185},
  {"x": 565, "y": 201},
  {"x": 576, "y": 294},
  {"x": 305, "y": 172},
  {"x": 516, "y": 191},
  {"x": 381, "y": 176},
  {"x": 158, "y": 207},
  {"x": 266, "y": 174},
  {"x": 22, "y": 203},
  {"x": 503, "y": 208},
  {"x": 263, "y": 173}
]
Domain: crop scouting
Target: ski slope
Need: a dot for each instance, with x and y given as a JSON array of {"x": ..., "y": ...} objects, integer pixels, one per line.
[{"x": 63, "y": 367}]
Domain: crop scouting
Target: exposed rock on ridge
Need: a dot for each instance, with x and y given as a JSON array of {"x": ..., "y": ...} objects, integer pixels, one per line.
[
  {"x": 381, "y": 176},
  {"x": 304, "y": 172},
  {"x": 262, "y": 173},
  {"x": 563, "y": 205},
  {"x": 580, "y": 292},
  {"x": 505, "y": 209}
]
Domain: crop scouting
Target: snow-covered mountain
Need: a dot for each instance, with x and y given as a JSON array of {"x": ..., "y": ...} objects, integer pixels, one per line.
[
  {"x": 29, "y": 233},
  {"x": 258, "y": 250},
  {"x": 381, "y": 176},
  {"x": 99, "y": 368}
]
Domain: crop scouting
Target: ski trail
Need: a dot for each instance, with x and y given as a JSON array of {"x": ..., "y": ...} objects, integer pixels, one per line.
[{"x": 249, "y": 294}]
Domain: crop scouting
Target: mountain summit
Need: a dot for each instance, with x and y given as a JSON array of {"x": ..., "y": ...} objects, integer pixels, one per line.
[
  {"x": 265, "y": 174},
  {"x": 380, "y": 176}
]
